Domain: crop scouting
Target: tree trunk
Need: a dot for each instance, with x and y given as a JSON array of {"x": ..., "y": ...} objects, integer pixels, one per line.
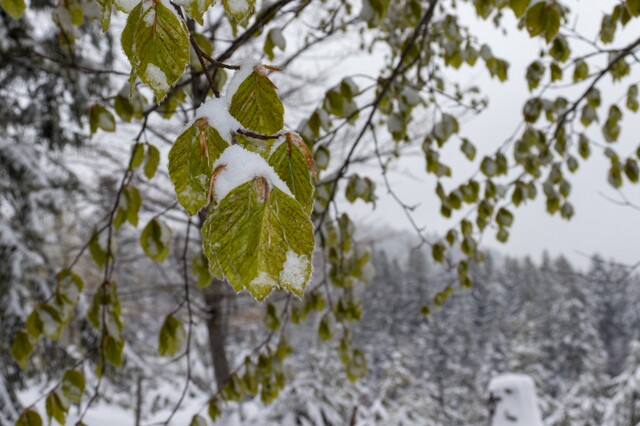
[{"x": 215, "y": 297}]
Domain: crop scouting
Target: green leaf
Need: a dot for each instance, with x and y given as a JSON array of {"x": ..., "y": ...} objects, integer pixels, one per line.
[
  {"x": 15, "y": 8},
  {"x": 153, "y": 160},
  {"x": 274, "y": 39},
  {"x": 137, "y": 155},
  {"x": 214, "y": 409},
  {"x": 581, "y": 71},
  {"x": 326, "y": 327},
  {"x": 191, "y": 164},
  {"x": 519, "y": 6},
  {"x": 105, "y": 15},
  {"x": 631, "y": 170},
  {"x": 256, "y": 104},
  {"x": 156, "y": 240},
  {"x": 197, "y": 8},
  {"x": 632, "y": 98},
  {"x": 172, "y": 336},
  {"x": 292, "y": 161},
  {"x": 113, "y": 350},
  {"x": 97, "y": 250},
  {"x": 543, "y": 18},
  {"x": 259, "y": 238},
  {"x": 271, "y": 319},
  {"x": 608, "y": 29},
  {"x": 201, "y": 269},
  {"x": 588, "y": 115},
  {"x": 239, "y": 9},
  {"x": 560, "y": 49},
  {"x": 156, "y": 42},
  {"x": 468, "y": 149},
  {"x": 556, "y": 71},
  {"x": 72, "y": 385},
  {"x": 534, "y": 75},
  {"x": 198, "y": 420},
  {"x": 633, "y": 6},
  {"x": 29, "y": 417},
  {"x": 21, "y": 348},
  {"x": 445, "y": 128},
  {"x": 57, "y": 407},
  {"x": 101, "y": 118},
  {"x": 69, "y": 286}
]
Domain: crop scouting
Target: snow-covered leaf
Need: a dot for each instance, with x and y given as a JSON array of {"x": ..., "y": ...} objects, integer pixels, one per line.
[
  {"x": 260, "y": 238},
  {"x": 256, "y": 104},
  {"x": 191, "y": 162},
  {"x": 156, "y": 240},
  {"x": 156, "y": 42},
  {"x": 292, "y": 161}
]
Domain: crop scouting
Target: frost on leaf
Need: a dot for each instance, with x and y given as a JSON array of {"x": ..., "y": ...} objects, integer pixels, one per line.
[
  {"x": 293, "y": 162},
  {"x": 255, "y": 103},
  {"x": 156, "y": 42},
  {"x": 191, "y": 163},
  {"x": 260, "y": 238}
]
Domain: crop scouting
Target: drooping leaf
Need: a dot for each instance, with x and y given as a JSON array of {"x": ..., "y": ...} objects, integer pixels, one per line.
[
  {"x": 156, "y": 240},
  {"x": 239, "y": 9},
  {"x": 72, "y": 385},
  {"x": 29, "y": 417},
  {"x": 292, "y": 161},
  {"x": 197, "y": 8},
  {"x": 172, "y": 336},
  {"x": 191, "y": 163},
  {"x": 21, "y": 348},
  {"x": 101, "y": 118},
  {"x": 15, "y": 8},
  {"x": 152, "y": 161},
  {"x": 256, "y": 104},
  {"x": 260, "y": 238},
  {"x": 156, "y": 42}
]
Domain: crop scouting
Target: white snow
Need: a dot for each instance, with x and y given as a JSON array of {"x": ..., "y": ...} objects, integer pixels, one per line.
[
  {"x": 294, "y": 272},
  {"x": 156, "y": 77},
  {"x": 277, "y": 38},
  {"x": 242, "y": 166},
  {"x": 127, "y": 5},
  {"x": 263, "y": 280},
  {"x": 216, "y": 111},
  {"x": 238, "y": 6},
  {"x": 246, "y": 68},
  {"x": 516, "y": 402}
]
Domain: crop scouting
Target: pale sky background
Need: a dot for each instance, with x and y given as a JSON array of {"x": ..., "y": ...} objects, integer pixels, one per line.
[{"x": 598, "y": 226}]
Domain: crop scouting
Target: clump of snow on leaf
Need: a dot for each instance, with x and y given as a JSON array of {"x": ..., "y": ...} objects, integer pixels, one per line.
[
  {"x": 237, "y": 7},
  {"x": 216, "y": 111},
  {"x": 516, "y": 402},
  {"x": 295, "y": 271},
  {"x": 157, "y": 78},
  {"x": 264, "y": 281},
  {"x": 242, "y": 166},
  {"x": 246, "y": 68}
]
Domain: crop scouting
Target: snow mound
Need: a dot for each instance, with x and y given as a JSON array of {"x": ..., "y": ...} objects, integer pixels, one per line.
[{"x": 513, "y": 401}]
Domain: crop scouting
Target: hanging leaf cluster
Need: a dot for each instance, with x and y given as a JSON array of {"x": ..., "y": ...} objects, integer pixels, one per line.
[{"x": 257, "y": 182}]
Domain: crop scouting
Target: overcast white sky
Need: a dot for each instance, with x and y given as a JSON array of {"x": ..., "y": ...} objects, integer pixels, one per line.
[{"x": 599, "y": 226}]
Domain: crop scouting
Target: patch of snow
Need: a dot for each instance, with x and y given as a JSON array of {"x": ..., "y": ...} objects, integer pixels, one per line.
[
  {"x": 515, "y": 399},
  {"x": 242, "y": 166},
  {"x": 156, "y": 77},
  {"x": 294, "y": 272},
  {"x": 216, "y": 111},
  {"x": 246, "y": 68},
  {"x": 127, "y": 5},
  {"x": 238, "y": 6},
  {"x": 263, "y": 280}
]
